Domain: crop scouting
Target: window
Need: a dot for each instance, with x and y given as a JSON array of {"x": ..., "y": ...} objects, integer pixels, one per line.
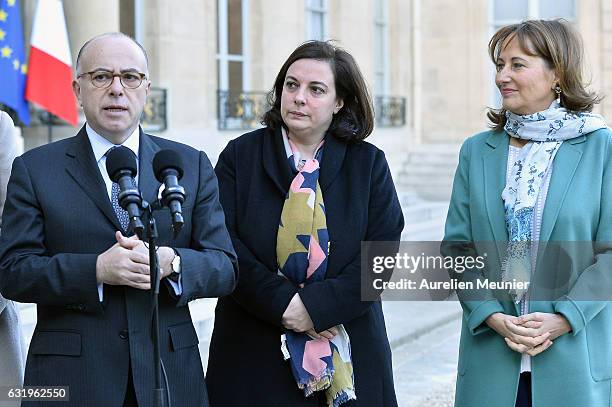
[
  {"x": 131, "y": 18},
  {"x": 381, "y": 50},
  {"x": 510, "y": 12},
  {"x": 316, "y": 13},
  {"x": 127, "y": 17},
  {"x": 236, "y": 107},
  {"x": 232, "y": 44},
  {"x": 506, "y": 12}
]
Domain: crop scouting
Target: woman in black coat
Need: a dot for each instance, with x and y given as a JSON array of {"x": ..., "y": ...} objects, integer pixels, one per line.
[{"x": 299, "y": 197}]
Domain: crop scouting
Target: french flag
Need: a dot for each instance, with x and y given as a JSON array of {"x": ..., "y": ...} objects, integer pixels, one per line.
[{"x": 49, "y": 82}]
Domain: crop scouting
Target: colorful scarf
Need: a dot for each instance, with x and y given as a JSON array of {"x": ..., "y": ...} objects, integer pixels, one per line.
[
  {"x": 545, "y": 131},
  {"x": 302, "y": 248}
]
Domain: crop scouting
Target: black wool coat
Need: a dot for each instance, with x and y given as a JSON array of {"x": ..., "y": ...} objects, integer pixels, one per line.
[{"x": 246, "y": 366}]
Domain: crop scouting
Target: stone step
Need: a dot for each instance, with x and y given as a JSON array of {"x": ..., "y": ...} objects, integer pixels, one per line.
[
  {"x": 430, "y": 191},
  {"x": 443, "y": 166},
  {"x": 446, "y": 159},
  {"x": 424, "y": 232},
  {"x": 428, "y": 170},
  {"x": 424, "y": 211},
  {"x": 423, "y": 220},
  {"x": 418, "y": 178},
  {"x": 441, "y": 189}
]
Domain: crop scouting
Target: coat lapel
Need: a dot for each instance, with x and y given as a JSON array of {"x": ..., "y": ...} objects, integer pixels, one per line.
[
  {"x": 331, "y": 162},
  {"x": 147, "y": 183},
  {"x": 569, "y": 154},
  {"x": 494, "y": 168},
  {"x": 275, "y": 160},
  {"x": 276, "y": 165},
  {"x": 83, "y": 168}
]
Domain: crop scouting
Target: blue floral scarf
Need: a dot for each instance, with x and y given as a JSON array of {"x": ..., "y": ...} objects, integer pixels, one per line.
[{"x": 546, "y": 131}]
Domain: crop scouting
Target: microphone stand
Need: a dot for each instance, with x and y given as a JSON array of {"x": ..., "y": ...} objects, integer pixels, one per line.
[{"x": 151, "y": 236}]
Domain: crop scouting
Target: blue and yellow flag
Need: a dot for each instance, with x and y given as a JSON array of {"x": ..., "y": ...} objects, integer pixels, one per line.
[{"x": 13, "y": 67}]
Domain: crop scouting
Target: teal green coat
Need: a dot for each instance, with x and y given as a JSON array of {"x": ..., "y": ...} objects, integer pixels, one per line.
[{"x": 576, "y": 371}]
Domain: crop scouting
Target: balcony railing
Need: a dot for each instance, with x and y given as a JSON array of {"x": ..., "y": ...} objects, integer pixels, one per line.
[
  {"x": 154, "y": 116},
  {"x": 240, "y": 111},
  {"x": 153, "y": 119},
  {"x": 390, "y": 111}
]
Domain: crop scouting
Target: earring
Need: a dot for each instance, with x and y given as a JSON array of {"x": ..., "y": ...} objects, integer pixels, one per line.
[{"x": 557, "y": 90}]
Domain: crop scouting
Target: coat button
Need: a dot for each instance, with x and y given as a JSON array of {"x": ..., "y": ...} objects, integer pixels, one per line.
[{"x": 123, "y": 334}]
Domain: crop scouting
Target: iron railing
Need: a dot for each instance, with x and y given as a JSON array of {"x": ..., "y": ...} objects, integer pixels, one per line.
[
  {"x": 390, "y": 111},
  {"x": 154, "y": 116},
  {"x": 240, "y": 111},
  {"x": 244, "y": 110}
]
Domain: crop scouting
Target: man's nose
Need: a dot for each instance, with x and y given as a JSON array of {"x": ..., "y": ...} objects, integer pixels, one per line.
[{"x": 116, "y": 88}]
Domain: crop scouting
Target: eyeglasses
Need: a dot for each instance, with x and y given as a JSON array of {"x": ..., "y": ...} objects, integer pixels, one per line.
[{"x": 103, "y": 79}]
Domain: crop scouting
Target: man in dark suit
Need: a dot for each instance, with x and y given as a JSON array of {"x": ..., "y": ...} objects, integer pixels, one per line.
[{"x": 64, "y": 247}]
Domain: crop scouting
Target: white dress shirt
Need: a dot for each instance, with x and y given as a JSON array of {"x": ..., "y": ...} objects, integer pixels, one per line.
[{"x": 100, "y": 146}]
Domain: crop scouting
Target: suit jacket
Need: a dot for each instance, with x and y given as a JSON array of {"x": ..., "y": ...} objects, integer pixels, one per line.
[
  {"x": 246, "y": 366},
  {"x": 58, "y": 219},
  {"x": 577, "y": 369}
]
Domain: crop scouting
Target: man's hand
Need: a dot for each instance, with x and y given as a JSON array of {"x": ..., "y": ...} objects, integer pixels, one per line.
[
  {"x": 121, "y": 265},
  {"x": 164, "y": 254},
  {"x": 296, "y": 316}
]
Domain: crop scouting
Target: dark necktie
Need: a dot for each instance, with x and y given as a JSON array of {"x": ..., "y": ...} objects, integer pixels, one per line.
[{"x": 122, "y": 215}]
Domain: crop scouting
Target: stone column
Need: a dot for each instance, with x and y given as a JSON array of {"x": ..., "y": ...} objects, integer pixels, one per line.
[
  {"x": 603, "y": 81},
  {"x": 87, "y": 19}
]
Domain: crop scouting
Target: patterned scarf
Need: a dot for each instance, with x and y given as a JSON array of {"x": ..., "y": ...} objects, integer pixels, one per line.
[
  {"x": 302, "y": 248},
  {"x": 545, "y": 131}
]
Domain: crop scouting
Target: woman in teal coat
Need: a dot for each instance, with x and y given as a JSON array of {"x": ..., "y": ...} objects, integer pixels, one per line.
[{"x": 543, "y": 174}]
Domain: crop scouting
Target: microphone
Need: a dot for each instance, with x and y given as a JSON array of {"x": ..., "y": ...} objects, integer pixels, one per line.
[
  {"x": 168, "y": 169},
  {"x": 121, "y": 168}
]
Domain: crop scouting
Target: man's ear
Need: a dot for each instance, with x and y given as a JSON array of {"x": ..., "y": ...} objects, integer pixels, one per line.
[{"x": 76, "y": 88}]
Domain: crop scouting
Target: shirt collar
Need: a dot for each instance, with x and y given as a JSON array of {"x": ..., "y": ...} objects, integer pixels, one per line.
[
  {"x": 100, "y": 145},
  {"x": 293, "y": 155}
]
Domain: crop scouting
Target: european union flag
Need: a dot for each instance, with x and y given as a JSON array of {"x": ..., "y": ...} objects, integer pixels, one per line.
[{"x": 13, "y": 67}]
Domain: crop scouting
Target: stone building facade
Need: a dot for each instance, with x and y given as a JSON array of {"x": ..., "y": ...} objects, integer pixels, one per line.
[{"x": 425, "y": 61}]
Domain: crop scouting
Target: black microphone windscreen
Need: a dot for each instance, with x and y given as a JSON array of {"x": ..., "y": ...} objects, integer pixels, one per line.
[
  {"x": 120, "y": 158},
  {"x": 164, "y": 160}
]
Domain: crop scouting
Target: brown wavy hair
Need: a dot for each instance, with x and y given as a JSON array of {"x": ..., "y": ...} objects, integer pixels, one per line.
[
  {"x": 355, "y": 121},
  {"x": 560, "y": 45}
]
